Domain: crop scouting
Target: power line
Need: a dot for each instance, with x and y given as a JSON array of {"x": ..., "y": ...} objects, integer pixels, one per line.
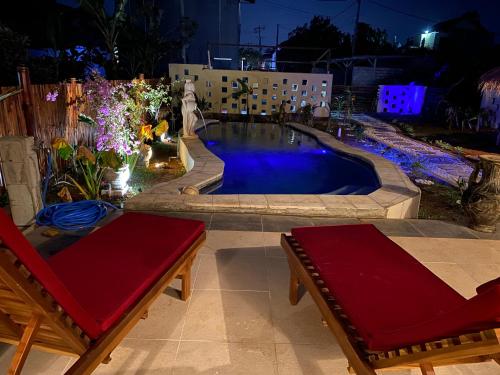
[
  {"x": 289, "y": 7},
  {"x": 401, "y": 12},
  {"x": 344, "y": 10}
]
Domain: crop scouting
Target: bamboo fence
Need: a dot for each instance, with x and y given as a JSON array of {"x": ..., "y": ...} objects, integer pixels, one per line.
[{"x": 29, "y": 113}]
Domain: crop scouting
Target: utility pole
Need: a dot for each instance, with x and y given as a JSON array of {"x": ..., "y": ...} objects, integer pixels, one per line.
[
  {"x": 356, "y": 28},
  {"x": 277, "y": 35},
  {"x": 259, "y": 30}
]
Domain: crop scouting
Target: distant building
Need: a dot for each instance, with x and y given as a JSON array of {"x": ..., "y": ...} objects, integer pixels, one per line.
[
  {"x": 464, "y": 32},
  {"x": 270, "y": 89},
  {"x": 218, "y": 22}
]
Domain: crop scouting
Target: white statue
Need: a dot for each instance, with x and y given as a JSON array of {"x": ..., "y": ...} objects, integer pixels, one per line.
[{"x": 189, "y": 117}]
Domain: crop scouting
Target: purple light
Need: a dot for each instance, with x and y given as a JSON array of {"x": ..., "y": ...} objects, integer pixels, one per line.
[{"x": 401, "y": 99}]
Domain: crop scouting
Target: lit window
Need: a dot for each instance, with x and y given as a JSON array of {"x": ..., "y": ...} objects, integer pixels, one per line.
[
  {"x": 176, "y": 77},
  {"x": 264, "y": 91},
  {"x": 295, "y": 87},
  {"x": 323, "y": 83},
  {"x": 263, "y": 112},
  {"x": 224, "y": 78},
  {"x": 223, "y": 110},
  {"x": 285, "y": 81},
  {"x": 243, "y": 111},
  {"x": 313, "y": 98},
  {"x": 254, "y": 106},
  {"x": 234, "y": 105},
  {"x": 323, "y": 94},
  {"x": 209, "y": 84},
  {"x": 304, "y": 82},
  {"x": 255, "y": 91},
  {"x": 224, "y": 100},
  {"x": 293, "y": 98},
  {"x": 304, "y": 93},
  {"x": 186, "y": 72},
  {"x": 275, "y": 86},
  {"x": 234, "y": 84},
  {"x": 284, "y": 93},
  {"x": 293, "y": 108},
  {"x": 313, "y": 88},
  {"x": 254, "y": 96},
  {"x": 323, "y": 104},
  {"x": 274, "y": 97},
  {"x": 264, "y": 102},
  {"x": 303, "y": 103},
  {"x": 273, "y": 108},
  {"x": 255, "y": 85}
]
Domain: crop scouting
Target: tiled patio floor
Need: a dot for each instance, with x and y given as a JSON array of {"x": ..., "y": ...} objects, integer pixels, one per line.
[{"x": 239, "y": 321}]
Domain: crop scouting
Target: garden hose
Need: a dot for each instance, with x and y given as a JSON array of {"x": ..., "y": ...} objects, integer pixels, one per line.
[{"x": 71, "y": 215}]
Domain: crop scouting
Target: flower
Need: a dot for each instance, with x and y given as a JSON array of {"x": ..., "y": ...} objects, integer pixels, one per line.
[
  {"x": 161, "y": 128},
  {"x": 59, "y": 143},
  {"x": 146, "y": 132},
  {"x": 52, "y": 96}
]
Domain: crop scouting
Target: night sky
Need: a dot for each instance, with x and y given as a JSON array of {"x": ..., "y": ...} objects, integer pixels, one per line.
[{"x": 425, "y": 13}]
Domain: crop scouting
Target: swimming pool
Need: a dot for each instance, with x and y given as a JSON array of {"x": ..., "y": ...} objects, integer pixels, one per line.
[{"x": 272, "y": 159}]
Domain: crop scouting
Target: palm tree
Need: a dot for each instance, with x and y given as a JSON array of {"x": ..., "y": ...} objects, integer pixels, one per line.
[
  {"x": 244, "y": 90},
  {"x": 108, "y": 26}
]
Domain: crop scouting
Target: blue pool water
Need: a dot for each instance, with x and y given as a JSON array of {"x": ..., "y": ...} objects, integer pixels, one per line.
[{"x": 274, "y": 159}]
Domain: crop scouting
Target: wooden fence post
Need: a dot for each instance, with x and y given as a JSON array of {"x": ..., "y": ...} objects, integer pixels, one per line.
[{"x": 23, "y": 76}]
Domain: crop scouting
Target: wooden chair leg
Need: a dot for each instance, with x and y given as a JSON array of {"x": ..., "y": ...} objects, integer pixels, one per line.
[
  {"x": 24, "y": 346},
  {"x": 294, "y": 288},
  {"x": 186, "y": 283},
  {"x": 427, "y": 369}
]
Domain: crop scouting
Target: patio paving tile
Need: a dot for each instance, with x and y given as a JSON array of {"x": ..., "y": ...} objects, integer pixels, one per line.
[
  {"x": 141, "y": 357},
  {"x": 229, "y": 317},
  {"x": 275, "y": 223},
  {"x": 38, "y": 363},
  {"x": 217, "y": 239},
  {"x": 310, "y": 359},
  {"x": 436, "y": 228},
  {"x": 225, "y": 359},
  {"x": 206, "y": 217},
  {"x": 455, "y": 277},
  {"x": 250, "y": 222},
  {"x": 333, "y": 221},
  {"x": 156, "y": 326},
  {"x": 392, "y": 227},
  {"x": 233, "y": 270}
]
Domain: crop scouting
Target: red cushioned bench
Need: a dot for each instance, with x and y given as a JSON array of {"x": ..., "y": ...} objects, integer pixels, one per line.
[
  {"x": 86, "y": 298},
  {"x": 386, "y": 309}
]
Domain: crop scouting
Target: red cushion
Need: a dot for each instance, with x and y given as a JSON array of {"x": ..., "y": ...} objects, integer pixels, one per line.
[
  {"x": 479, "y": 313},
  {"x": 13, "y": 239},
  {"x": 380, "y": 286},
  {"x": 111, "y": 268},
  {"x": 484, "y": 287}
]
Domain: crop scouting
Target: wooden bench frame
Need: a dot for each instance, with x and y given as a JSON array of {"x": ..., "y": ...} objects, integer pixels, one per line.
[
  {"x": 471, "y": 348},
  {"x": 30, "y": 317}
]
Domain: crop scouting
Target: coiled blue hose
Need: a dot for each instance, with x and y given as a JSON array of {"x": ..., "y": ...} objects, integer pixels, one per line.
[{"x": 71, "y": 215}]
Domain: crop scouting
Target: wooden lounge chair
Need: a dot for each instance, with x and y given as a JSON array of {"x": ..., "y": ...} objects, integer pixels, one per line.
[
  {"x": 86, "y": 298},
  {"x": 386, "y": 309}
]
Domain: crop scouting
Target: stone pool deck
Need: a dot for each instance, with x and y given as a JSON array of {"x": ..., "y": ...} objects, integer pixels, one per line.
[
  {"x": 438, "y": 163},
  {"x": 238, "y": 320},
  {"x": 397, "y": 198}
]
